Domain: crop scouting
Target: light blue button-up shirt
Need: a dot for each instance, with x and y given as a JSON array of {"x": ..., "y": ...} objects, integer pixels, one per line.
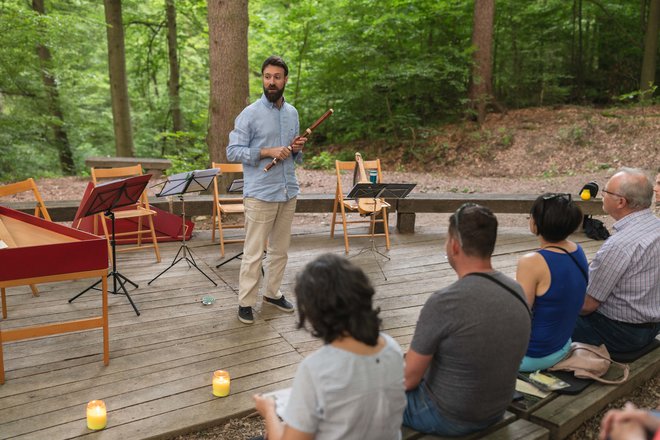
[{"x": 262, "y": 125}]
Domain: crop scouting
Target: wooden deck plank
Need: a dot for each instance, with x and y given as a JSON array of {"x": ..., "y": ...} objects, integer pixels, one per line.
[
  {"x": 158, "y": 380},
  {"x": 565, "y": 414}
]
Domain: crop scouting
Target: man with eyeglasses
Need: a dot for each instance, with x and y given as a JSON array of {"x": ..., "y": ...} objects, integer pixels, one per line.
[
  {"x": 461, "y": 368},
  {"x": 622, "y": 306},
  {"x": 263, "y": 132}
]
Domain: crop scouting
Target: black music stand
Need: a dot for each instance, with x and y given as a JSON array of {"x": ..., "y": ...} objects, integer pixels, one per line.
[
  {"x": 105, "y": 198},
  {"x": 376, "y": 191},
  {"x": 179, "y": 185}
]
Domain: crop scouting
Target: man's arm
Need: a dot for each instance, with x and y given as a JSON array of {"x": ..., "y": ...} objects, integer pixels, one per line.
[
  {"x": 605, "y": 271},
  {"x": 590, "y": 305},
  {"x": 416, "y": 365}
]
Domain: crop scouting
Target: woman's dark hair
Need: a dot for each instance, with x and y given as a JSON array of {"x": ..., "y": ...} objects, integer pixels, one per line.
[
  {"x": 556, "y": 216},
  {"x": 274, "y": 60},
  {"x": 335, "y": 297}
]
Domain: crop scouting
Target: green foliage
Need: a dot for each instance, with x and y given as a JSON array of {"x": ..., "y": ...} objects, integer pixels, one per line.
[
  {"x": 321, "y": 161},
  {"x": 390, "y": 69},
  {"x": 646, "y": 96},
  {"x": 325, "y": 160}
]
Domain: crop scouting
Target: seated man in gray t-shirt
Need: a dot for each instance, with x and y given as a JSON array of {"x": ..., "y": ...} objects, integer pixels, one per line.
[{"x": 470, "y": 337}]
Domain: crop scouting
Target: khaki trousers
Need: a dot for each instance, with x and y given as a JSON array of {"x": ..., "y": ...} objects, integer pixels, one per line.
[{"x": 264, "y": 222}]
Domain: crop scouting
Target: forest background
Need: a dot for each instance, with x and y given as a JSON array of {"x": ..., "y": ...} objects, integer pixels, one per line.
[{"x": 166, "y": 78}]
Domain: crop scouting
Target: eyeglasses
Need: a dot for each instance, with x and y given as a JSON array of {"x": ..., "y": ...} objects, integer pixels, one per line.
[
  {"x": 613, "y": 194},
  {"x": 457, "y": 217}
]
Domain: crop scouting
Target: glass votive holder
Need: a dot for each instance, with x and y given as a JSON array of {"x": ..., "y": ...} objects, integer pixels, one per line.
[
  {"x": 221, "y": 383},
  {"x": 97, "y": 416}
]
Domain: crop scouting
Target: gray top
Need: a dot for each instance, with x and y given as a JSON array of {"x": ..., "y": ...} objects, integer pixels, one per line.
[
  {"x": 341, "y": 395},
  {"x": 477, "y": 333}
]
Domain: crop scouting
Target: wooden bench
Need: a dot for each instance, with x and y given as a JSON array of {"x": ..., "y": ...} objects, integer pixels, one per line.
[
  {"x": 65, "y": 210},
  {"x": 154, "y": 166},
  {"x": 407, "y": 208},
  {"x": 507, "y": 429},
  {"x": 564, "y": 414}
]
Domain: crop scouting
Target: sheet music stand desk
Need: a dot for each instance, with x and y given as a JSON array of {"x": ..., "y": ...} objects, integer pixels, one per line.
[
  {"x": 106, "y": 198},
  {"x": 179, "y": 185}
]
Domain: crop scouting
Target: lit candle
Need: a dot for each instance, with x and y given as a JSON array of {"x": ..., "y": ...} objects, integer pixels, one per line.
[
  {"x": 96, "y": 415},
  {"x": 220, "y": 383}
]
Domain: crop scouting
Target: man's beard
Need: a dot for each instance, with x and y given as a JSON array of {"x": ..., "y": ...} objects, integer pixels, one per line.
[{"x": 274, "y": 94}]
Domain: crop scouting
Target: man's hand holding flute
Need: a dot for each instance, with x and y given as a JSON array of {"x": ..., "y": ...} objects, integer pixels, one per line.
[{"x": 281, "y": 153}]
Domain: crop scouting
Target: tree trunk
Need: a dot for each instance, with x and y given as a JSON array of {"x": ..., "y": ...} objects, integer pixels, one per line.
[
  {"x": 228, "y": 58},
  {"x": 60, "y": 137},
  {"x": 579, "y": 60},
  {"x": 173, "y": 83},
  {"x": 121, "y": 112},
  {"x": 480, "y": 91},
  {"x": 301, "y": 56},
  {"x": 650, "y": 50}
]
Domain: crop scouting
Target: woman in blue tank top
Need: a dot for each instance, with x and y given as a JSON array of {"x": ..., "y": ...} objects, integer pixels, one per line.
[{"x": 554, "y": 279}]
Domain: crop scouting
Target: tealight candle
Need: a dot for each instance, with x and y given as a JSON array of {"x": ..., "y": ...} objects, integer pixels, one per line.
[
  {"x": 96, "y": 415},
  {"x": 221, "y": 383}
]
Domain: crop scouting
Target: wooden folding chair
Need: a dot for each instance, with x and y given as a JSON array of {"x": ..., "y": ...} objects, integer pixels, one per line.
[
  {"x": 226, "y": 206},
  {"x": 39, "y": 209},
  {"x": 137, "y": 211},
  {"x": 342, "y": 207}
]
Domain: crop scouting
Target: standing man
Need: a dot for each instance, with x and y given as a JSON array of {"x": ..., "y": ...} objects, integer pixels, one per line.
[
  {"x": 461, "y": 368},
  {"x": 622, "y": 306},
  {"x": 263, "y": 132}
]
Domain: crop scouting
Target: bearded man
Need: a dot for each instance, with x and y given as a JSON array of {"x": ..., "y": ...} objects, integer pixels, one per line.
[{"x": 265, "y": 130}]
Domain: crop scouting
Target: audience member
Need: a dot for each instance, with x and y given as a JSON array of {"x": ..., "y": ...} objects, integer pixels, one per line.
[
  {"x": 630, "y": 423},
  {"x": 351, "y": 388},
  {"x": 622, "y": 306},
  {"x": 554, "y": 279},
  {"x": 470, "y": 337}
]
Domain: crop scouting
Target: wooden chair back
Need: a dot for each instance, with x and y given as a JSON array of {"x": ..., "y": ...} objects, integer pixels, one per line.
[
  {"x": 116, "y": 173},
  {"x": 139, "y": 210},
  {"x": 226, "y": 205},
  {"x": 351, "y": 165},
  {"x": 25, "y": 186},
  {"x": 342, "y": 205}
]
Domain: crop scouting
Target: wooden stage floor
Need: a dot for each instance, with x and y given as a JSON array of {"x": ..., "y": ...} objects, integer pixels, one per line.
[{"x": 158, "y": 383}]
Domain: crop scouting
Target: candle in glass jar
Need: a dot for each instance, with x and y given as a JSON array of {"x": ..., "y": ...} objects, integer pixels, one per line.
[
  {"x": 96, "y": 415},
  {"x": 221, "y": 383}
]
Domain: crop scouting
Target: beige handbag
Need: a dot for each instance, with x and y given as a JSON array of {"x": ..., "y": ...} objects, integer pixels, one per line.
[{"x": 590, "y": 362}]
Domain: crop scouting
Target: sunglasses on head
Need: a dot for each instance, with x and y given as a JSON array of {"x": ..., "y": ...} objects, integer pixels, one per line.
[{"x": 457, "y": 217}]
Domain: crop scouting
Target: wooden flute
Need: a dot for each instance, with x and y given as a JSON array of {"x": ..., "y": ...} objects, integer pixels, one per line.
[{"x": 307, "y": 132}]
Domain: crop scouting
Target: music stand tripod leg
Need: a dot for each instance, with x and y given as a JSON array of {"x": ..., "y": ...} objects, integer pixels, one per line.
[
  {"x": 114, "y": 273},
  {"x": 184, "y": 251},
  {"x": 235, "y": 257}
]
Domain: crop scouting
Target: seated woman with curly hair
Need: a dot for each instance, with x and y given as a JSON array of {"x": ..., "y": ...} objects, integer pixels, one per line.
[
  {"x": 554, "y": 279},
  {"x": 352, "y": 387}
]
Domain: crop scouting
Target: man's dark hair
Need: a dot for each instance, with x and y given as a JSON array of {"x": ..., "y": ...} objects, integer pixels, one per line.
[
  {"x": 335, "y": 297},
  {"x": 274, "y": 60},
  {"x": 556, "y": 216},
  {"x": 477, "y": 229}
]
